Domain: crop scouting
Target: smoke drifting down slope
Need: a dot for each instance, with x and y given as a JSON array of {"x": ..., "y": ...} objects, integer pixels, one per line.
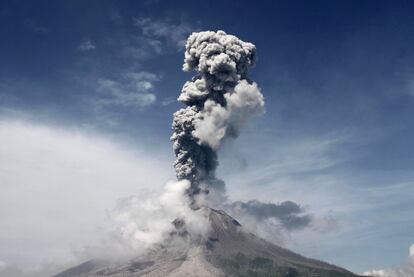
[
  {"x": 227, "y": 250},
  {"x": 219, "y": 99}
]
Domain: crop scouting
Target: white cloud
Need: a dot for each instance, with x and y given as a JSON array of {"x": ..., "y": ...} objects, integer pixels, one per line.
[
  {"x": 167, "y": 101},
  {"x": 36, "y": 27},
  {"x": 116, "y": 17},
  {"x": 151, "y": 38},
  {"x": 410, "y": 88},
  {"x": 86, "y": 45},
  {"x": 286, "y": 161},
  {"x": 132, "y": 89},
  {"x": 404, "y": 270},
  {"x": 56, "y": 185},
  {"x": 142, "y": 48},
  {"x": 166, "y": 30}
]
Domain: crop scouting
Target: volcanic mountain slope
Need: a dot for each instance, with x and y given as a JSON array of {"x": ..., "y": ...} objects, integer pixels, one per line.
[{"x": 228, "y": 250}]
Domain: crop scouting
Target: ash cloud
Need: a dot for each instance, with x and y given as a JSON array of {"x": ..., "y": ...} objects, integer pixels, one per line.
[
  {"x": 219, "y": 100},
  {"x": 290, "y": 215},
  {"x": 276, "y": 222}
]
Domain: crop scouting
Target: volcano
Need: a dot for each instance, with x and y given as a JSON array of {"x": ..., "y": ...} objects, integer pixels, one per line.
[
  {"x": 218, "y": 101},
  {"x": 226, "y": 250}
]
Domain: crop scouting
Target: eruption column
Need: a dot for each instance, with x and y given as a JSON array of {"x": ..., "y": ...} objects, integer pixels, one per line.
[{"x": 219, "y": 99}]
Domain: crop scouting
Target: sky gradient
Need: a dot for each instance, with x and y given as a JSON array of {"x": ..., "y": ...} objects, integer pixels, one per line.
[{"x": 99, "y": 79}]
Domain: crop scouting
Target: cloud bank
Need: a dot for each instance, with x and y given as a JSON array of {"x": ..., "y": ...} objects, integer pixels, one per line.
[
  {"x": 56, "y": 186},
  {"x": 404, "y": 270}
]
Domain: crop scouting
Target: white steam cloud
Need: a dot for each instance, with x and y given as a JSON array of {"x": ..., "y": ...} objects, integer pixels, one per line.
[
  {"x": 141, "y": 221},
  {"x": 217, "y": 121}
]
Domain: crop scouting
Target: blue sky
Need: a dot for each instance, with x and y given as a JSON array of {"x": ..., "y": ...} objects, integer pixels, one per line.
[{"x": 337, "y": 76}]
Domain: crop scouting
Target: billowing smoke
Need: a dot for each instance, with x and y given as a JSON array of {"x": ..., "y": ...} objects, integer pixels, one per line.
[
  {"x": 219, "y": 99},
  {"x": 139, "y": 222},
  {"x": 276, "y": 221}
]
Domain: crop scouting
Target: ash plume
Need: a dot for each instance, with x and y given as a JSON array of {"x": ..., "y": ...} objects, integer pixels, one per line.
[{"x": 219, "y": 99}]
